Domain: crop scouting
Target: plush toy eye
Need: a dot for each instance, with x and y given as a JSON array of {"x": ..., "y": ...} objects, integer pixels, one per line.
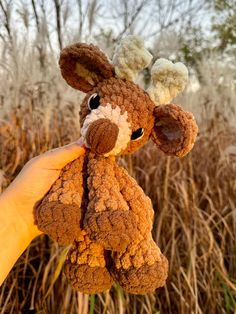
[
  {"x": 94, "y": 101},
  {"x": 136, "y": 135}
]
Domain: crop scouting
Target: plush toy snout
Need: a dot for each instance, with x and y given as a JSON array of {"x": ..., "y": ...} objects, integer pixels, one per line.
[
  {"x": 106, "y": 130},
  {"x": 101, "y": 136}
]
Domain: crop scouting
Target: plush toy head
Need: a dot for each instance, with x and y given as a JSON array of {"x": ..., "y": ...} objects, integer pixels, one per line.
[{"x": 117, "y": 116}]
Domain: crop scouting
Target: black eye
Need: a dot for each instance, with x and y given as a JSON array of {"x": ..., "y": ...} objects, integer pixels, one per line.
[
  {"x": 136, "y": 135},
  {"x": 94, "y": 101}
]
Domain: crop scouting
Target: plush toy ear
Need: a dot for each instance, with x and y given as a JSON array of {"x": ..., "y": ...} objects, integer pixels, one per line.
[
  {"x": 83, "y": 66},
  {"x": 175, "y": 130}
]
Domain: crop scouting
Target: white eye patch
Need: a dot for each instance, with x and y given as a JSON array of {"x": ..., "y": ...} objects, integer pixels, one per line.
[{"x": 115, "y": 116}]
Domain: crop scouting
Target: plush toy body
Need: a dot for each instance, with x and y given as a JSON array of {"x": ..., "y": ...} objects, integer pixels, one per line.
[{"x": 95, "y": 205}]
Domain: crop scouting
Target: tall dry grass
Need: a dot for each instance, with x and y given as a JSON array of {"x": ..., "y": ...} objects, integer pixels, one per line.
[{"x": 193, "y": 197}]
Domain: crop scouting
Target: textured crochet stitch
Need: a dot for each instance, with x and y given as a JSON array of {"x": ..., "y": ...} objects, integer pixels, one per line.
[{"x": 96, "y": 206}]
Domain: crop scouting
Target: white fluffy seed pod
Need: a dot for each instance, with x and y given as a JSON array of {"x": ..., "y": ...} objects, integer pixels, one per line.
[
  {"x": 130, "y": 57},
  {"x": 167, "y": 81}
]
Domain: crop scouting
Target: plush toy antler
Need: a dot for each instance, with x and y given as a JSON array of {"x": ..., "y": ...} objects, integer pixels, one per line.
[
  {"x": 130, "y": 58},
  {"x": 95, "y": 205},
  {"x": 167, "y": 81}
]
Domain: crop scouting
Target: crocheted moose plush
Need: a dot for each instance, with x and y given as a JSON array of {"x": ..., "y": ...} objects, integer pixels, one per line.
[{"x": 95, "y": 205}]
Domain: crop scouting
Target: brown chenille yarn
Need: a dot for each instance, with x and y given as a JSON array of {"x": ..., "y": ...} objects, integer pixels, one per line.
[
  {"x": 92, "y": 60},
  {"x": 129, "y": 97},
  {"x": 96, "y": 206},
  {"x": 99, "y": 128},
  {"x": 174, "y": 131}
]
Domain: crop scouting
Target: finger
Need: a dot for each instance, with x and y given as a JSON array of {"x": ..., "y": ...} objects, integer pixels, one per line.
[{"x": 60, "y": 157}]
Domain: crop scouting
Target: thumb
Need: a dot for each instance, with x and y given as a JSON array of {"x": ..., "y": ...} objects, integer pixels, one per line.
[{"x": 60, "y": 157}]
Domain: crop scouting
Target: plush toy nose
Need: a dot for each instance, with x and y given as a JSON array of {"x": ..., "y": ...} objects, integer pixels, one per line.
[{"x": 101, "y": 136}]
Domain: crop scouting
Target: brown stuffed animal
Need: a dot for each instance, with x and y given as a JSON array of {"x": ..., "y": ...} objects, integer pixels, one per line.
[{"x": 95, "y": 205}]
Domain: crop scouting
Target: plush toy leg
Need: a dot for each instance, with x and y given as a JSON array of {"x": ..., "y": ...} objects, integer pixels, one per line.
[
  {"x": 114, "y": 230},
  {"x": 85, "y": 266},
  {"x": 59, "y": 213},
  {"x": 141, "y": 268}
]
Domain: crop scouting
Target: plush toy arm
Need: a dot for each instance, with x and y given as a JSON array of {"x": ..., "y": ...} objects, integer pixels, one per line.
[
  {"x": 59, "y": 213},
  {"x": 139, "y": 203},
  {"x": 108, "y": 219}
]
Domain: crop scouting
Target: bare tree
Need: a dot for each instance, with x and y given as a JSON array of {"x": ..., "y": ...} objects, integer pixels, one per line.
[
  {"x": 35, "y": 14},
  {"x": 45, "y": 23},
  {"x": 81, "y": 17},
  {"x": 128, "y": 22},
  {"x": 57, "y": 4},
  {"x": 39, "y": 44},
  {"x": 6, "y": 7}
]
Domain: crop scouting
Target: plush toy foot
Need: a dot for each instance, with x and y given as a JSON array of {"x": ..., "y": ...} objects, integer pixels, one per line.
[
  {"x": 86, "y": 279},
  {"x": 143, "y": 280},
  {"x": 59, "y": 221},
  {"x": 114, "y": 230}
]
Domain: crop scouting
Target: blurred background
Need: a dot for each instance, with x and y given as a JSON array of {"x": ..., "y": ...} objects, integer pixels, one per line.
[{"x": 194, "y": 198}]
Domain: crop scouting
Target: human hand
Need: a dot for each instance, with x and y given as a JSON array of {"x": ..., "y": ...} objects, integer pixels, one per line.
[{"x": 34, "y": 181}]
